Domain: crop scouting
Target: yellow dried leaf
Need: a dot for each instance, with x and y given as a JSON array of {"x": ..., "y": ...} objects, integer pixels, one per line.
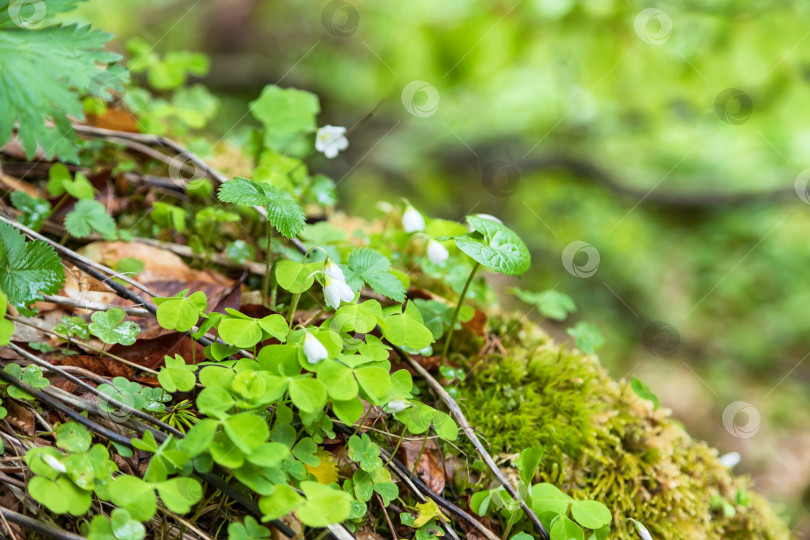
[
  {"x": 428, "y": 511},
  {"x": 327, "y": 471}
]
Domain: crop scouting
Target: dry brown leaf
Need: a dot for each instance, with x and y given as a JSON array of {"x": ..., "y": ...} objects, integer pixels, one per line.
[{"x": 429, "y": 469}]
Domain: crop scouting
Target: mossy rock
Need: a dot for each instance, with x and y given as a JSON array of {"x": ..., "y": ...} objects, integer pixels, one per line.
[{"x": 603, "y": 442}]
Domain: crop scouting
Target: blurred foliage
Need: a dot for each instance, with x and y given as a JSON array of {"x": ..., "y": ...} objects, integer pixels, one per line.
[{"x": 611, "y": 131}]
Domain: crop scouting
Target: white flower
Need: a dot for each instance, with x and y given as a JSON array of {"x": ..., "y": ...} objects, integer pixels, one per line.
[
  {"x": 730, "y": 460},
  {"x": 412, "y": 220},
  {"x": 335, "y": 290},
  {"x": 314, "y": 349},
  {"x": 54, "y": 463},
  {"x": 489, "y": 217},
  {"x": 331, "y": 269},
  {"x": 330, "y": 140},
  {"x": 436, "y": 252},
  {"x": 397, "y": 405}
]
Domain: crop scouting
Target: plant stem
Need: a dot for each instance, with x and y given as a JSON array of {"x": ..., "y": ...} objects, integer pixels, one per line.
[
  {"x": 456, "y": 312},
  {"x": 421, "y": 451},
  {"x": 509, "y": 524},
  {"x": 399, "y": 442},
  {"x": 293, "y": 305},
  {"x": 269, "y": 258}
]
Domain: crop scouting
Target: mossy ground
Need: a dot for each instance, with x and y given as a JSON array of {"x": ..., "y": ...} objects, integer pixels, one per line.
[{"x": 603, "y": 442}]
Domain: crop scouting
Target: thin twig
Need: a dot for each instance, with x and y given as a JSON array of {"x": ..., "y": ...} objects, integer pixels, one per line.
[
  {"x": 31, "y": 524},
  {"x": 94, "y": 306},
  {"x": 455, "y": 410}
]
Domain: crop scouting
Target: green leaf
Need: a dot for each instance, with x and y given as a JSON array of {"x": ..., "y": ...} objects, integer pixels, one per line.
[
  {"x": 88, "y": 216},
  {"x": 247, "y": 431},
  {"x": 73, "y": 437},
  {"x": 79, "y": 187},
  {"x": 349, "y": 411},
  {"x": 551, "y": 303},
  {"x": 124, "y": 527},
  {"x": 285, "y": 113},
  {"x": 73, "y": 327},
  {"x": 324, "y": 505},
  {"x": 179, "y": 312},
  {"x": 42, "y": 72},
  {"x": 133, "y": 495},
  {"x": 307, "y": 394},
  {"x": 404, "y": 331},
  {"x": 284, "y": 213},
  {"x": 48, "y": 493},
  {"x": 644, "y": 392},
  {"x": 495, "y": 246},
  {"x": 587, "y": 336},
  {"x": 295, "y": 277},
  {"x": 281, "y": 502},
  {"x": 27, "y": 268},
  {"x": 445, "y": 426},
  {"x": 109, "y": 327},
  {"x": 214, "y": 401},
  {"x": 548, "y": 498},
  {"x": 179, "y": 494},
  {"x": 375, "y": 382},
  {"x": 199, "y": 437},
  {"x": 338, "y": 379},
  {"x": 591, "y": 514},
  {"x": 175, "y": 375},
  {"x": 371, "y": 267},
  {"x": 34, "y": 210},
  {"x": 563, "y": 528},
  {"x": 249, "y": 530},
  {"x": 242, "y": 191},
  {"x": 365, "y": 452}
]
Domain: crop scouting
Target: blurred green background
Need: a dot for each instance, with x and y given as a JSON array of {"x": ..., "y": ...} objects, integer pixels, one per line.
[{"x": 672, "y": 138}]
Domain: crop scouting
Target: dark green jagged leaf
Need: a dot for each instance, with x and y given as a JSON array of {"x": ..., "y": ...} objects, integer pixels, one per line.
[
  {"x": 27, "y": 269},
  {"x": 371, "y": 267},
  {"x": 496, "y": 246}
]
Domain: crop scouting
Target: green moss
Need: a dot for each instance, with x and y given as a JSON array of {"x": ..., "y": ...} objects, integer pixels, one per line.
[{"x": 602, "y": 442}]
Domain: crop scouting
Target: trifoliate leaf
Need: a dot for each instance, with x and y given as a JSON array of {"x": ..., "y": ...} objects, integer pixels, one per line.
[
  {"x": 133, "y": 495},
  {"x": 552, "y": 304},
  {"x": 42, "y": 73},
  {"x": 88, "y": 216},
  {"x": 368, "y": 266},
  {"x": 124, "y": 527},
  {"x": 109, "y": 327},
  {"x": 587, "y": 336},
  {"x": 179, "y": 312},
  {"x": 295, "y": 277},
  {"x": 285, "y": 113},
  {"x": 176, "y": 375},
  {"x": 73, "y": 437},
  {"x": 324, "y": 505},
  {"x": 428, "y": 511},
  {"x": 250, "y": 530},
  {"x": 495, "y": 246},
  {"x": 27, "y": 268},
  {"x": 34, "y": 210}
]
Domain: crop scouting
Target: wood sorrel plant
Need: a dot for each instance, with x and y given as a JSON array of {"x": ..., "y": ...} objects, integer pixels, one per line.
[{"x": 493, "y": 245}]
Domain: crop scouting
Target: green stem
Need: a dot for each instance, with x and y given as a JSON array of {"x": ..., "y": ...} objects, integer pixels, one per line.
[
  {"x": 421, "y": 451},
  {"x": 59, "y": 204},
  {"x": 456, "y": 312},
  {"x": 293, "y": 306},
  {"x": 399, "y": 442},
  {"x": 268, "y": 261},
  {"x": 363, "y": 420},
  {"x": 509, "y": 525}
]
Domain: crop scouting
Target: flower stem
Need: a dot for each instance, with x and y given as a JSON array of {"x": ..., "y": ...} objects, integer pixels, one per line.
[
  {"x": 456, "y": 312},
  {"x": 293, "y": 306},
  {"x": 268, "y": 262},
  {"x": 421, "y": 451}
]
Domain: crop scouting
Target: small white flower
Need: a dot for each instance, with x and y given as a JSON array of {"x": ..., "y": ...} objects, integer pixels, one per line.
[
  {"x": 331, "y": 140},
  {"x": 436, "y": 252},
  {"x": 412, "y": 220},
  {"x": 314, "y": 349},
  {"x": 335, "y": 290},
  {"x": 54, "y": 463},
  {"x": 331, "y": 269},
  {"x": 489, "y": 217},
  {"x": 397, "y": 405},
  {"x": 730, "y": 460}
]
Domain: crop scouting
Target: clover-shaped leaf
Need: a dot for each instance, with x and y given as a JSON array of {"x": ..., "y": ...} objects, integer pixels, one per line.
[
  {"x": 324, "y": 505},
  {"x": 87, "y": 216},
  {"x": 34, "y": 210},
  {"x": 249, "y": 530},
  {"x": 179, "y": 493},
  {"x": 295, "y": 277},
  {"x": 365, "y": 452},
  {"x": 109, "y": 326},
  {"x": 176, "y": 375},
  {"x": 402, "y": 330},
  {"x": 123, "y": 390},
  {"x": 179, "y": 312},
  {"x": 133, "y": 495},
  {"x": 73, "y": 437},
  {"x": 552, "y": 304},
  {"x": 494, "y": 245},
  {"x": 73, "y": 327},
  {"x": 244, "y": 332},
  {"x": 591, "y": 514},
  {"x": 587, "y": 336},
  {"x": 154, "y": 398}
]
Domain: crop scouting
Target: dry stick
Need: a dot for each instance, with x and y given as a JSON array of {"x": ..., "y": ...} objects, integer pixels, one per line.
[
  {"x": 94, "y": 306},
  {"x": 216, "y": 258},
  {"x": 31, "y": 524},
  {"x": 468, "y": 431},
  {"x": 111, "y": 435},
  {"x": 80, "y": 259},
  {"x": 93, "y": 390}
]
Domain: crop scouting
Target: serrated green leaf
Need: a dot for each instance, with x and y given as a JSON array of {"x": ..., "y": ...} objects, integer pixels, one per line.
[
  {"x": 34, "y": 210},
  {"x": 495, "y": 246},
  {"x": 284, "y": 213},
  {"x": 27, "y": 269},
  {"x": 285, "y": 113},
  {"x": 369, "y": 266},
  {"x": 242, "y": 191}
]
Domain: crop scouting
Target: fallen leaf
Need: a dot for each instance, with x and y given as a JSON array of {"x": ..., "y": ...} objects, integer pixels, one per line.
[{"x": 429, "y": 469}]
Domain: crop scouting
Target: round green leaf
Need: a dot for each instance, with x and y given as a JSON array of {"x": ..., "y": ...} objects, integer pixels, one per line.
[
  {"x": 563, "y": 528},
  {"x": 339, "y": 380},
  {"x": 73, "y": 437},
  {"x": 375, "y": 382},
  {"x": 591, "y": 514},
  {"x": 247, "y": 431},
  {"x": 281, "y": 502},
  {"x": 402, "y": 330},
  {"x": 47, "y": 492},
  {"x": 199, "y": 437},
  {"x": 179, "y": 493},
  {"x": 548, "y": 498},
  {"x": 135, "y": 496},
  {"x": 214, "y": 401},
  {"x": 181, "y": 313},
  {"x": 349, "y": 411},
  {"x": 124, "y": 527},
  {"x": 242, "y": 333},
  {"x": 495, "y": 246},
  {"x": 295, "y": 277},
  {"x": 307, "y": 394},
  {"x": 324, "y": 505}
]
